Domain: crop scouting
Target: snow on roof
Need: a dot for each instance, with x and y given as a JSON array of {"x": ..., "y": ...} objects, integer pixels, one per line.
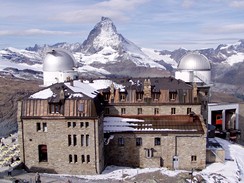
[
  {"x": 91, "y": 89},
  {"x": 75, "y": 95},
  {"x": 118, "y": 124},
  {"x": 43, "y": 94},
  {"x": 81, "y": 87},
  {"x": 104, "y": 83}
]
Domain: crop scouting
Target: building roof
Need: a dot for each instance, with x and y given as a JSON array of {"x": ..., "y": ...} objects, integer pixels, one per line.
[
  {"x": 157, "y": 84},
  {"x": 72, "y": 89},
  {"x": 195, "y": 62},
  {"x": 184, "y": 124},
  {"x": 58, "y": 60}
]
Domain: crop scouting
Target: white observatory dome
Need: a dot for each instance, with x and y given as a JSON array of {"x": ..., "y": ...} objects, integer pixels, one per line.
[
  {"x": 195, "y": 62},
  {"x": 58, "y": 66},
  {"x": 58, "y": 60},
  {"x": 194, "y": 67}
]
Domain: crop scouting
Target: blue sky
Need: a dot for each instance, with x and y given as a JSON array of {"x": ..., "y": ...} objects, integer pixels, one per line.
[{"x": 159, "y": 24}]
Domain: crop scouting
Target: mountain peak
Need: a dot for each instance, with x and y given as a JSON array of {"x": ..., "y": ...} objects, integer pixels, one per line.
[
  {"x": 106, "y": 19},
  {"x": 104, "y": 34}
]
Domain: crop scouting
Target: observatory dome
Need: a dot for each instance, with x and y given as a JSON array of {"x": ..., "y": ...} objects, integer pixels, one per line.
[
  {"x": 58, "y": 60},
  {"x": 194, "y": 62}
]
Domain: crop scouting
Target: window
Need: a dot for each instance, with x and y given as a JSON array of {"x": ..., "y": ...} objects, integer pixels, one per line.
[
  {"x": 82, "y": 140},
  {"x": 41, "y": 127},
  {"x": 121, "y": 142},
  {"x": 138, "y": 141},
  {"x": 122, "y": 96},
  {"x": 69, "y": 124},
  {"x": 74, "y": 140},
  {"x": 123, "y": 110},
  {"x": 193, "y": 158},
  {"x": 81, "y": 124},
  {"x": 149, "y": 153},
  {"x": 157, "y": 141},
  {"x": 38, "y": 127},
  {"x": 44, "y": 125},
  {"x": 155, "y": 96},
  {"x": 188, "y": 110},
  {"x": 82, "y": 158},
  {"x": 81, "y": 107},
  {"x": 139, "y": 96},
  {"x": 75, "y": 158},
  {"x": 156, "y": 111},
  {"x": 87, "y": 140},
  {"x": 172, "y": 95},
  {"x": 55, "y": 108},
  {"x": 173, "y": 110},
  {"x": 88, "y": 158},
  {"x": 42, "y": 151},
  {"x": 106, "y": 110},
  {"x": 74, "y": 124},
  {"x": 70, "y": 158},
  {"x": 69, "y": 140},
  {"x": 139, "y": 110},
  {"x": 106, "y": 96},
  {"x": 87, "y": 124}
]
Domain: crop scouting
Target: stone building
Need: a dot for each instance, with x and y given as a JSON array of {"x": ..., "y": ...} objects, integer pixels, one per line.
[
  {"x": 80, "y": 127},
  {"x": 61, "y": 130},
  {"x": 75, "y": 127}
]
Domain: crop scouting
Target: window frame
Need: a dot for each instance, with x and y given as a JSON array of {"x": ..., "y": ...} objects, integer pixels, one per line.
[
  {"x": 42, "y": 153},
  {"x": 121, "y": 142},
  {"x": 193, "y": 158},
  {"x": 139, "y": 96},
  {"x": 188, "y": 110},
  {"x": 149, "y": 153},
  {"x": 138, "y": 141},
  {"x": 139, "y": 111},
  {"x": 173, "y": 110},
  {"x": 156, "y": 111},
  {"x": 172, "y": 95},
  {"x": 123, "y": 111},
  {"x": 157, "y": 141}
]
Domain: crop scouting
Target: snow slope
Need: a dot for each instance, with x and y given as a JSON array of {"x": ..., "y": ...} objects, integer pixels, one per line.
[{"x": 232, "y": 170}]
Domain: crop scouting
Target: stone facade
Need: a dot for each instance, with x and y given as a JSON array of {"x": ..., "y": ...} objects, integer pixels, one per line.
[
  {"x": 64, "y": 133},
  {"x": 189, "y": 148},
  {"x": 58, "y": 148},
  {"x": 61, "y": 136},
  {"x": 147, "y": 109}
]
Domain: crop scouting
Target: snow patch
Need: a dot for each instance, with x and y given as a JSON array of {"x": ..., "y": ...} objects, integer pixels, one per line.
[
  {"x": 43, "y": 94},
  {"x": 239, "y": 57}
]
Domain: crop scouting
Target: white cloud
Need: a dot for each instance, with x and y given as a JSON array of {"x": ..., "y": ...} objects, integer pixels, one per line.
[
  {"x": 115, "y": 9},
  {"x": 187, "y": 3},
  {"x": 237, "y": 4},
  {"x": 224, "y": 29},
  {"x": 29, "y": 32}
]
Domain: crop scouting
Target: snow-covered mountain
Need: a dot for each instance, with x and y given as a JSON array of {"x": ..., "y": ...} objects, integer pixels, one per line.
[{"x": 106, "y": 52}]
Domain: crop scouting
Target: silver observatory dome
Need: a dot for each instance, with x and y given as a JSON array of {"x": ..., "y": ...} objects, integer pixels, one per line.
[
  {"x": 195, "y": 62},
  {"x": 58, "y": 60}
]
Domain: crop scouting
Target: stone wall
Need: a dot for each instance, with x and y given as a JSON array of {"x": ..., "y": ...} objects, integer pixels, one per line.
[
  {"x": 150, "y": 109},
  {"x": 58, "y": 150},
  {"x": 215, "y": 155},
  {"x": 183, "y": 146}
]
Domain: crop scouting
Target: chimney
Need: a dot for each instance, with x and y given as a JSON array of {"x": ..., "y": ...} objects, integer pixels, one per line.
[
  {"x": 72, "y": 82},
  {"x": 147, "y": 88}
]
